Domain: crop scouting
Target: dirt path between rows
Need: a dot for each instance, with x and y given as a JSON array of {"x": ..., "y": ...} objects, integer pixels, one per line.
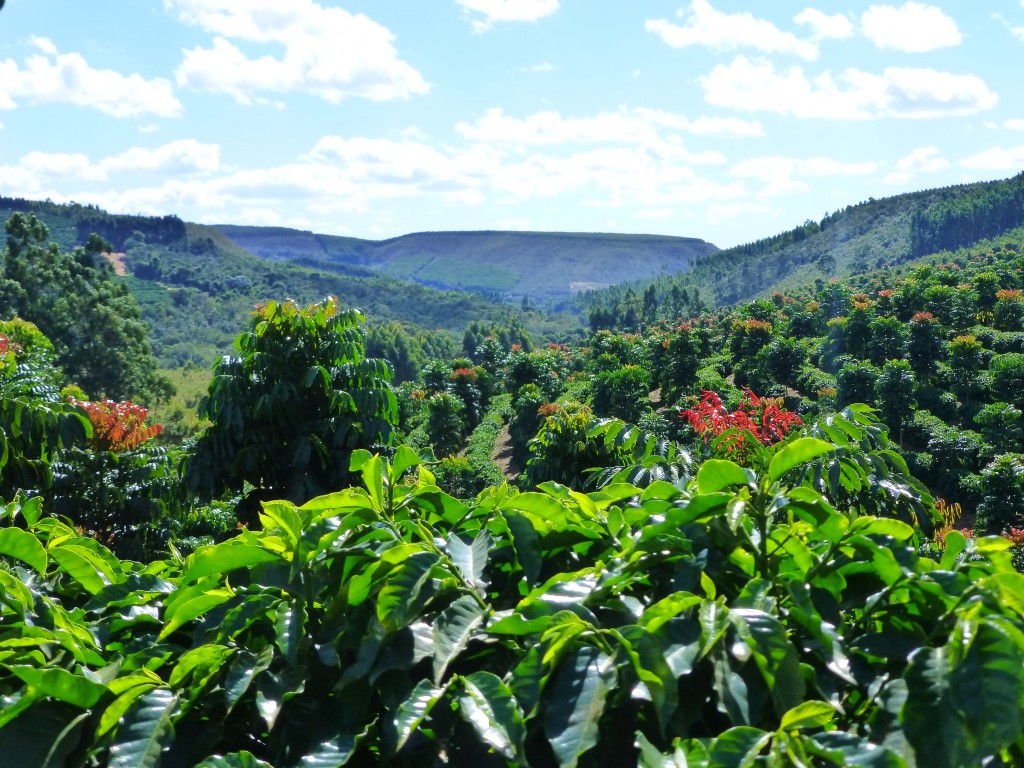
[{"x": 502, "y": 455}]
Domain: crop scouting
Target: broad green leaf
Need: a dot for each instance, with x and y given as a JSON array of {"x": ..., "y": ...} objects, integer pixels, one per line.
[
  {"x": 14, "y": 593},
  {"x": 809, "y": 714},
  {"x": 233, "y": 760},
  {"x": 82, "y": 565},
  {"x": 1010, "y": 588},
  {"x": 23, "y": 546},
  {"x": 488, "y": 705},
  {"x": 541, "y": 505},
  {"x": 200, "y": 664},
  {"x": 225, "y": 557},
  {"x": 274, "y": 689},
  {"x": 884, "y": 526},
  {"x": 526, "y": 542},
  {"x": 649, "y": 756},
  {"x": 398, "y": 600},
  {"x": 738, "y": 747},
  {"x": 792, "y": 455},
  {"x": 405, "y": 458},
  {"x": 471, "y": 559},
  {"x": 290, "y": 630},
  {"x": 373, "y": 478},
  {"x": 955, "y": 543},
  {"x": 61, "y": 684},
  {"x": 44, "y": 738},
  {"x": 145, "y": 731},
  {"x": 191, "y": 603},
  {"x": 282, "y": 515},
  {"x": 667, "y": 608},
  {"x": 775, "y": 655},
  {"x": 714, "y": 620},
  {"x": 576, "y": 703},
  {"x": 716, "y": 474},
  {"x": 453, "y": 630},
  {"x": 245, "y": 667},
  {"x": 929, "y": 717},
  {"x": 116, "y": 710},
  {"x": 856, "y": 751},
  {"x": 413, "y": 711}
]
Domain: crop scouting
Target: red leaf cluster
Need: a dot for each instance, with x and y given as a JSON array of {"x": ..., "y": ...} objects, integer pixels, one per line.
[
  {"x": 117, "y": 426},
  {"x": 761, "y": 416}
]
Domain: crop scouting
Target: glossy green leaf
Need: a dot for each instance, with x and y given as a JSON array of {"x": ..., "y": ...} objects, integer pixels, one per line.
[
  {"x": 82, "y": 565},
  {"x": 471, "y": 559},
  {"x": 397, "y": 603},
  {"x": 117, "y": 709},
  {"x": 191, "y": 603},
  {"x": 23, "y": 546},
  {"x": 290, "y": 630},
  {"x": 856, "y": 751},
  {"x": 717, "y": 474},
  {"x": 883, "y": 526},
  {"x": 72, "y": 688},
  {"x": 809, "y": 714},
  {"x": 225, "y": 557},
  {"x": 738, "y": 747},
  {"x": 44, "y": 737},
  {"x": 453, "y": 630},
  {"x": 576, "y": 702},
  {"x": 488, "y": 705},
  {"x": 233, "y": 760},
  {"x": 794, "y": 454},
  {"x": 145, "y": 731},
  {"x": 775, "y": 655},
  {"x": 405, "y": 459},
  {"x": 244, "y": 668},
  {"x": 526, "y": 542},
  {"x": 411, "y": 713}
]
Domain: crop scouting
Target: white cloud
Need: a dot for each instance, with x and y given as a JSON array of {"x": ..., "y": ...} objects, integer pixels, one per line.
[
  {"x": 496, "y": 11},
  {"x": 912, "y": 28},
  {"x": 177, "y": 158},
  {"x": 782, "y": 175},
  {"x": 1014, "y": 124},
  {"x": 703, "y": 25},
  {"x": 636, "y": 126},
  {"x": 903, "y": 92},
  {"x": 824, "y": 26},
  {"x": 921, "y": 160},
  {"x": 544, "y": 66},
  {"x": 328, "y": 52},
  {"x": 50, "y": 77},
  {"x": 996, "y": 159},
  {"x": 716, "y": 213}
]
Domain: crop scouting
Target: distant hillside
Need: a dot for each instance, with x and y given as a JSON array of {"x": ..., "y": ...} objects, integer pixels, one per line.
[
  {"x": 540, "y": 265},
  {"x": 196, "y": 287},
  {"x": 868, "y": 236}
]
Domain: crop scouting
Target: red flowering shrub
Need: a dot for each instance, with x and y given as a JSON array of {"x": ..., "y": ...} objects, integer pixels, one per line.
[
  {"x": 117, "y": 426},
  {"x": 762, "y": 417}
]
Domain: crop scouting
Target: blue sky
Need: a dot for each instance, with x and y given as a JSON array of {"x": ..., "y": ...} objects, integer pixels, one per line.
[{"x": 707, "y": 118}]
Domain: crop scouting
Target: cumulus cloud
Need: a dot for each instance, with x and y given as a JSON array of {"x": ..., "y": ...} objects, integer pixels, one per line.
[
  {"x": 1014, "y": 124},
  {"x": 176, "y": 158},
  {"x": 782, "y": 175},
  {"x": 921, "y": 160},
  {"x": 824, "y": 26},
  {"x": 911, "y": 28},
  {"x": 634, "y": 126},
  {"x": 903, "y": 92},
  {"x": 328, "y": 52},
  {"x": 50, "y": 77},
  {"x": 703, "y": 25},
  {"x": 496, "y": 11},
  {"x": 996, "y": 159}
]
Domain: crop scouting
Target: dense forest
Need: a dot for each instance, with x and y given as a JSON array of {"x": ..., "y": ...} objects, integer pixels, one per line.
[{"x": 782, "y": 531}]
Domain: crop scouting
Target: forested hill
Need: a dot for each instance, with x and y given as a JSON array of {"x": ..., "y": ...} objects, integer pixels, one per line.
[
  {"x": 540, "y": 265},
  {"x": 196, "y": 287},
  {"x": 860, "y": 238}
]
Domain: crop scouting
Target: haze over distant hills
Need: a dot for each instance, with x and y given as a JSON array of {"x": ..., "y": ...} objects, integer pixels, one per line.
[{"x": 541, "y": 265}]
